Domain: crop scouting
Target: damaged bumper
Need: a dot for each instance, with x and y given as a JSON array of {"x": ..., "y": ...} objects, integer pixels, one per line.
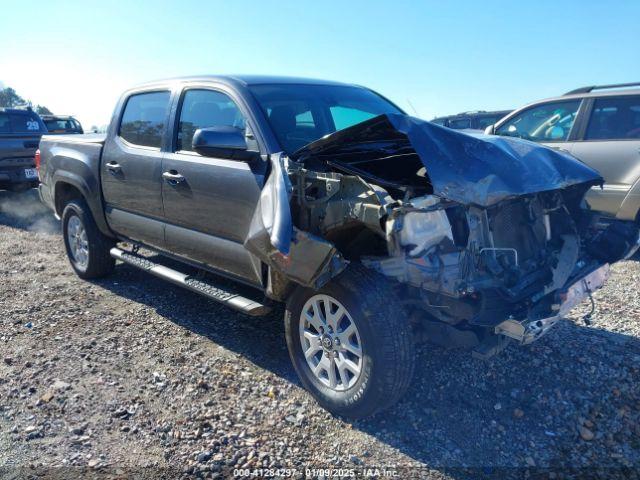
[{"x": 528, "y": 331}]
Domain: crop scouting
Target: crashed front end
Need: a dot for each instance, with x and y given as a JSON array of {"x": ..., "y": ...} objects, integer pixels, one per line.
[
  {"x": 488, "y": 238},
  {"x": 513, "y": 269}
]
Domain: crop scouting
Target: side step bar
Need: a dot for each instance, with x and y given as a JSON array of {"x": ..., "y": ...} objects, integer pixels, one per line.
[{"x": 233, "y": 300}]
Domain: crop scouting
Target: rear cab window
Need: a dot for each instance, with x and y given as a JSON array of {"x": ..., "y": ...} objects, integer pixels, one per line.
[
  {"x": 614, "y": 118},
  {"x": 63, "y": 125},
  {"x": 144, "y": 118},
  {"x": 21, "y": 123}
]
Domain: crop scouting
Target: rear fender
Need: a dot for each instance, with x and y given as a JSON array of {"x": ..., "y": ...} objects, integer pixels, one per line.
[{"x": 90, "y": 191}]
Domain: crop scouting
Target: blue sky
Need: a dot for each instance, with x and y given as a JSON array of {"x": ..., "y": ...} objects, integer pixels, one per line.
[{"x": 444, "y": 57}]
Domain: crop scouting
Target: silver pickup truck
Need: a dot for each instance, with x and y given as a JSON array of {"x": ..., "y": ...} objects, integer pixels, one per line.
[{"x": 374, "y": 228}]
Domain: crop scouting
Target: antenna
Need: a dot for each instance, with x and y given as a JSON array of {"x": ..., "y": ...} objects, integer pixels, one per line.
[{"x": 412, "y": 107}]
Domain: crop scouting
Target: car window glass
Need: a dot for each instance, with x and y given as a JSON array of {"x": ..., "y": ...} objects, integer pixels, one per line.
[
  {"x": 143, "y": 118},
  {"x": 305, "y": 118},
  {"x": 4, "y": 123},
  {"x": 203, "y": 109},
  {"x": 616, "y": 118},
  {"x": 344, "y": 117},
  {"x": 62, "y": 125},
  {"x": 484, "y": 122},
  {"x": 459, "y": 123},
  {"x": 24, "y": 123},
  {"x": 300, "y": 114},
  {"x": 543, "y": 123}
]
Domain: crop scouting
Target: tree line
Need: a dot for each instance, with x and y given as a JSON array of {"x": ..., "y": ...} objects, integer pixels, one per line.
[{"x": 9, "y": 98}]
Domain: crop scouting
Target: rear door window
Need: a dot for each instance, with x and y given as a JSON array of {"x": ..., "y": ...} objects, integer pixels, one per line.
[
  {"x": 548, "y": 122},
  {"x": 143, "y": 119},
  {"x": 615, "y": 118}
]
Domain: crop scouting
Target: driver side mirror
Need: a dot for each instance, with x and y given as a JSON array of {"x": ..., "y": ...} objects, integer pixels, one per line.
[
  {"x": 490, "y": 130},
  {"x": 222, "y": 142}
]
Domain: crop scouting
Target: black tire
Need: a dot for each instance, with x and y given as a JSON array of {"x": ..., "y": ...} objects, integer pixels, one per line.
[
  {"x": 388, "y": 358},
  {"x": 99, "y": 263}
]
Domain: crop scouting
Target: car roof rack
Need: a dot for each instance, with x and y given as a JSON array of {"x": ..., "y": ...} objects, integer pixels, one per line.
[{"x": 602, "y": 87}]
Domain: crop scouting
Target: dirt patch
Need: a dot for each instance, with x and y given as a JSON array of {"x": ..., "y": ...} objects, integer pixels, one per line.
[{"x": 132, "y": 374}]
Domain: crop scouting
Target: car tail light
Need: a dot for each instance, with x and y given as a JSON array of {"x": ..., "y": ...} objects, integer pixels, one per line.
[{"x": 37, "y": 159}]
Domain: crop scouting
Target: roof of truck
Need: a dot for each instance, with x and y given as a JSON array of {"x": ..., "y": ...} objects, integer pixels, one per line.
[
  {"x": 52, "y": 116},
  {"x": 245, "y": 80},
  {"x": 25, "y": 110}
]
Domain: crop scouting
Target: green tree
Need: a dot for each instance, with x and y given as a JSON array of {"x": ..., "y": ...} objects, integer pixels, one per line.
[
  {"x": 10, "y": 99},
  {"x": 42, "y": 110}
]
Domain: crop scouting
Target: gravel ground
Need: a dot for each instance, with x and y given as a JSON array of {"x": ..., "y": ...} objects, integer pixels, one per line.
[{"x": 130, "y": 375}]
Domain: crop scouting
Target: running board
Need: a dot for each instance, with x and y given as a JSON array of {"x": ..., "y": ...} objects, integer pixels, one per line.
[{"x": 230, "y": 299}]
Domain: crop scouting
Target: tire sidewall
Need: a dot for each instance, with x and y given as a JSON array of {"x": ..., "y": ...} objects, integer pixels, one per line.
[
  {"x": 71, "y": 210},
  {"x": 355, "y": 399}
]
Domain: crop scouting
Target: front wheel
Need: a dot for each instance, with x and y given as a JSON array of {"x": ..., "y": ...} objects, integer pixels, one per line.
[
  {"x": 87, "y": 247},
  {"x": 350, "y": 343}
]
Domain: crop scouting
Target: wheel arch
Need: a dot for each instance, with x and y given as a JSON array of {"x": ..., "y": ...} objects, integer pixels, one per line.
[{"x": 69, "y": 186}]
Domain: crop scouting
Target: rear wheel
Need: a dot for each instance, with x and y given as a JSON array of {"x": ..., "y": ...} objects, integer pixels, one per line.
[
  {"x": 351, "y": 343},
  {"x": 87, "y": 247}
]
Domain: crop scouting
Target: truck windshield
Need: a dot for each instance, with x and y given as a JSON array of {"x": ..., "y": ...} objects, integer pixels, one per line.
[{"x": 300, "y": 114}]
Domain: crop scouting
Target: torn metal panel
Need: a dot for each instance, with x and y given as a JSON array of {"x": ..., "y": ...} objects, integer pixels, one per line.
[
  {"x": 312, "y": 261},
  {"x": 469, "y": 169},
  {"x": 299, "y": 256},
  {"x": 332, "y": 201},
  {"x": 272, "y": 226}
]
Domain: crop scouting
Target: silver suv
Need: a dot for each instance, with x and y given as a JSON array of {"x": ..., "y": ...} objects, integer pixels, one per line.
[{"x": 599, "y": 125}]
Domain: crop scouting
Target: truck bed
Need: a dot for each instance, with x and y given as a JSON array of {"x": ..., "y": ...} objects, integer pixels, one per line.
[
  {"x": 75, "y": 138},
  {"x": 75, "y": 160}
]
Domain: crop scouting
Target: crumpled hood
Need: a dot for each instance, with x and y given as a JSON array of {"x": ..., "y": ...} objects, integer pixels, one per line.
[
  {"x": 462, "y": 167},
  {"x": 468, "y": 169}
]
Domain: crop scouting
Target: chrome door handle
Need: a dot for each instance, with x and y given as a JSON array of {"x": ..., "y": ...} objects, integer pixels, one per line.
[
  {"x": 113, "y": 167},
  {"x": 173, "y": 177}
]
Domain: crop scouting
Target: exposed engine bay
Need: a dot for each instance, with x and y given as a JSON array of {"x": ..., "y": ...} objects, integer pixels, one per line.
[{"x": 483, "y": 235}]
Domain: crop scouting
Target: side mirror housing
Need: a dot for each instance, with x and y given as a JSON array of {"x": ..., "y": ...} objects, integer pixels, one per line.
[
  {"x": 222, "y": 142},
  {"x": 490, "y": 130}
]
